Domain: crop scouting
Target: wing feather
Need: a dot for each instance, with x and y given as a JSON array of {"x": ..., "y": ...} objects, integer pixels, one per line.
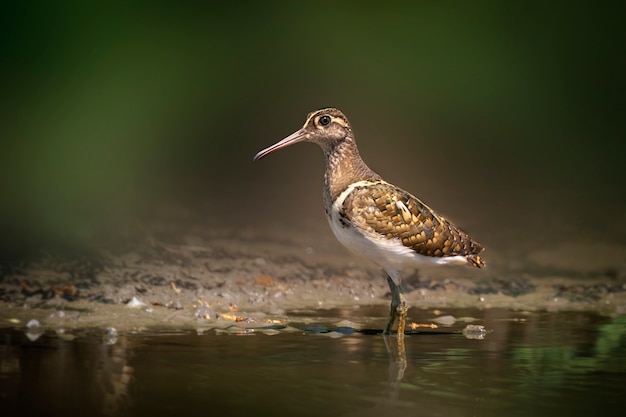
[{"x": 382, "y": 208}]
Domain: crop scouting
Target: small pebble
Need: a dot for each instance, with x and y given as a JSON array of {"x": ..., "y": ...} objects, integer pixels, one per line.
[
  {"x": 135, "y": 303},
  {"x": 344, "y": 330},
  {"x": 110, "y": 331},
  {"x": 33, "y": 324},
  {"x": 110, "y": 336},
  {"x": 316, "y": 328}
]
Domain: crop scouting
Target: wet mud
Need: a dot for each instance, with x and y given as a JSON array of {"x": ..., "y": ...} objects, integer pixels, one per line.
[{"x": 210, "y": 276}]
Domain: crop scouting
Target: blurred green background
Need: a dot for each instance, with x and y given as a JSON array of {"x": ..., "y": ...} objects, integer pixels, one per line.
[{"x": 508, "y": 117}]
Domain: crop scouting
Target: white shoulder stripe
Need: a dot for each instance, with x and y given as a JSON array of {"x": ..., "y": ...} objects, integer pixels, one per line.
[{"x": 338, "y": 203}]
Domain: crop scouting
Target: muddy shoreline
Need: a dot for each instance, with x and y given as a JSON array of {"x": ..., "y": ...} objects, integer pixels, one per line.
[{"x": 216, "y": 278}]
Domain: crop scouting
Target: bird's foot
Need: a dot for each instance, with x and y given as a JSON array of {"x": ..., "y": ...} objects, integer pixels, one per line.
[{"x": 398, "y": 312}]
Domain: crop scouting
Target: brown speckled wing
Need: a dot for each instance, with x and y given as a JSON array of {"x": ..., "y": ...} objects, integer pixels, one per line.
[{"x": 387, "y": 210}]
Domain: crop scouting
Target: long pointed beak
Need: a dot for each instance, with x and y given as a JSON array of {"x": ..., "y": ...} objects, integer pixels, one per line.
[{"x": 295, "y": 137}]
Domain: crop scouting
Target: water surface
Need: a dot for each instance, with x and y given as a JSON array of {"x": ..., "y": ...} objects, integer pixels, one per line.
[{"x": 540, "y": 364}]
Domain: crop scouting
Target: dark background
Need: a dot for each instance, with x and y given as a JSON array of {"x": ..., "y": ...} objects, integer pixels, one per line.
[{"x": 506, "y": 117}]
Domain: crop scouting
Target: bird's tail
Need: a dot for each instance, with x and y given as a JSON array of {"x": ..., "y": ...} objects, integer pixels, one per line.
[{"x": 476, "y": 261}]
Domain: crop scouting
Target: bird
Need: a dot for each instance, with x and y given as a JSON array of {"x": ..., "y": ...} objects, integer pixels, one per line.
[{"x": 374, "y": 218}]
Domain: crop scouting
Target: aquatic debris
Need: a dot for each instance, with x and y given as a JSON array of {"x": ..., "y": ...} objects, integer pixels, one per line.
[
  {"x": 110, "y": 336},
  {"x": 34, "y": 330},
  {"x": 235, "y": 318},
  {"x": 474, "y": 331},
  {"x": 175, "y": 288},
  {"x": 415, "y": 326}
]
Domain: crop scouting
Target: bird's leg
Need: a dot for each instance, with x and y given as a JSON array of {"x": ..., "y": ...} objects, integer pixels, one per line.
[{"x": 398, "y": 309}]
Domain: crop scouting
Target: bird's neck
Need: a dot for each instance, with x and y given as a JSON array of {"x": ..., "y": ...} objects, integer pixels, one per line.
[{"x": 344, "y": 166}]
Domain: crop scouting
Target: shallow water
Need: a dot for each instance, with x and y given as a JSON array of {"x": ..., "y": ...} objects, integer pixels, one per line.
[{"x": 566, "y": 363}]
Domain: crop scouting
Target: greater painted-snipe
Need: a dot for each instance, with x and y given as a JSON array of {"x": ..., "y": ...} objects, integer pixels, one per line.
[{"x": 376, "y": 219}]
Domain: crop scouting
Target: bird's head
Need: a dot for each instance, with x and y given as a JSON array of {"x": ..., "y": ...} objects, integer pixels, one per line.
[{"x": 325, "y": 127}]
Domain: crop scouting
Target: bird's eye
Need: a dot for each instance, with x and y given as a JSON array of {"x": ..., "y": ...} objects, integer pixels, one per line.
[{"x": 324, "y": 120}]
